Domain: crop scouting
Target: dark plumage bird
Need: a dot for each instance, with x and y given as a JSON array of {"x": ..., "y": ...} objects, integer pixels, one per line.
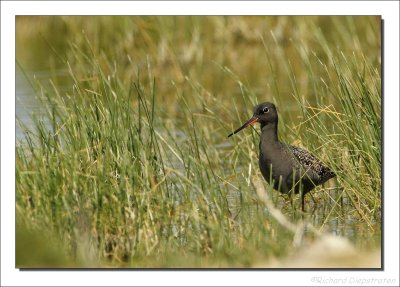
[{"x": 288, "y": 168}]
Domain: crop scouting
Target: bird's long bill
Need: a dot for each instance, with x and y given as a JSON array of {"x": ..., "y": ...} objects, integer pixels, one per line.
[{"x": 245, "y": 125}]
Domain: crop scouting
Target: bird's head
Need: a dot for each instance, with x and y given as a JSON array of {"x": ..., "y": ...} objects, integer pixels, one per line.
[{"x": 264, "y": 113}]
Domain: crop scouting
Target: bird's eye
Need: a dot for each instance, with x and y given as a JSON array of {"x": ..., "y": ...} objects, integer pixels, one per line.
[{"x": 265, "y": 110}]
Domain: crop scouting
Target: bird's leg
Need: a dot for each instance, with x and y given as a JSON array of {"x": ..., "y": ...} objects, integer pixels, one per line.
[{"x": 301, "y": 192}]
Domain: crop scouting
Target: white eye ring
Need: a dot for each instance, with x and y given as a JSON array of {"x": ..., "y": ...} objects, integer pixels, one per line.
[{"x": 265, "y": 110}]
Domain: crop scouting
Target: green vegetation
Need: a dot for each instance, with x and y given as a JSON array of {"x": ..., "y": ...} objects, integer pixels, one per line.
[{"x": 130, "y": 165}]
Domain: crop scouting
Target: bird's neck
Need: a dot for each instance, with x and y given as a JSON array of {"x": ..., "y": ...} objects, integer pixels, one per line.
[{"x": 269, "y": 133}]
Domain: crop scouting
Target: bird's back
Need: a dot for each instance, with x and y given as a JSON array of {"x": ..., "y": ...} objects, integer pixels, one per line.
[{"x": 315, "y": 170}]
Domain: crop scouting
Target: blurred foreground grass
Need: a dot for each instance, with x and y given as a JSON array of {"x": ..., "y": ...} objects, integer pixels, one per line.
[{"x": 130, "y": 166}]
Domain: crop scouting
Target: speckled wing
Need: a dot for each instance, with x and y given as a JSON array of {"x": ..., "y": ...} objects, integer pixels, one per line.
[{"x": 315, "y": 169}]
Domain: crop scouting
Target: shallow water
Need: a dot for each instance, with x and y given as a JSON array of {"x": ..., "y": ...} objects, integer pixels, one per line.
[
  {"x": 25, "y": 103},
  {"x": 341, "y": 221}
]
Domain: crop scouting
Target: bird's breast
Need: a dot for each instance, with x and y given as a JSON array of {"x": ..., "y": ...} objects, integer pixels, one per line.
[{"x": 274, "y": 164}]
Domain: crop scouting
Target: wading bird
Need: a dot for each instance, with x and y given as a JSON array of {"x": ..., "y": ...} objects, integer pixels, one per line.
[{"x": 287, "y": 168}]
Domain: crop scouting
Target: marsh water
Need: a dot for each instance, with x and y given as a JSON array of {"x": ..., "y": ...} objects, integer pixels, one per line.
[{"x": 25, "y": 103}]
